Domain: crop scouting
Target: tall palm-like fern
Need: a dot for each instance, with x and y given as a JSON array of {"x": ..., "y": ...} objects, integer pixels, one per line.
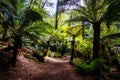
[
  {"x": 21, "y": 26},
  {"x": 74, "y": 32},
  {"x": 96, "y": 12},
  {"x": 30, "y": 17}
]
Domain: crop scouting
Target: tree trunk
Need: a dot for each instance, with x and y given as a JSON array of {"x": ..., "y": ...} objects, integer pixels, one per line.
[
  {"x": 73, "y": 49},
  {"x": 104, "y": 53},
  {"x": 108, "y": 26},
  {"x": 55, "y": 46},
  {"x": 83, "y": 33},
  {"x": 96, "y": 45},
  {"x": 44, "y": 4},
  {"x": 17, "y": 43},
  {"x": 56, "y": 16},
  {"x": 48, "y": 46},
  {"x": 96, "y": 40},
  {"x": 64, "y": 48}
]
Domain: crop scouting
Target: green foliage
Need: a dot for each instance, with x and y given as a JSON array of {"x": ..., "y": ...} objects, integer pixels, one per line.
[
  {"x": 7, "y": 5},
  {"x": 88, "y": 67},
  {"x": 41, "y": 31},
  {"x": 57, "y": 54},
  {"x": 106, "y": 68},
  {"x": 32, "y": 15},
  {"x": 36, "y": 33},
  {"x": 74, "y": 30},
  {"x": 85, "y": 47},
  {"x": 95, "y": 64},
  {"x": 105, "y": 32},
  {"x": 81, "y": 63}
]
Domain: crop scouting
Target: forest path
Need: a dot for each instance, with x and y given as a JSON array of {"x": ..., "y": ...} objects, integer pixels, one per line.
[
  {"x": 51, "y": 69},
  {"x": 57, "y": 60}
]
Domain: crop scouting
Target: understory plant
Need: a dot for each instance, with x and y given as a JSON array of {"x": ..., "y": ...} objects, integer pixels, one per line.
[{"x": 93, "y": 67}]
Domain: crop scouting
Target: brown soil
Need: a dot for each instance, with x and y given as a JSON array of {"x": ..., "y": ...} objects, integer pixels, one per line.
[{"x": 51, "y": 69}]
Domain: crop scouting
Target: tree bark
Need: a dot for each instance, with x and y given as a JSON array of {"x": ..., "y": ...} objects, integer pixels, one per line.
[
  {"x": 96, "y": 40},
  {"x": 108, "y": 26},
  {"x": 73, "y": 49},
  {"x": 83, "y": 33},
  {"x": 44, "y": 4},
  {"x": 56, "y": 16},
  {"x": 48, "y": 47},
  {"x": 17, "y": 43}
]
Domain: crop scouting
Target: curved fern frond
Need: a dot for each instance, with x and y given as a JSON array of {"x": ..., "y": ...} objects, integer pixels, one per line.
[{"x": 111, "y": 36}]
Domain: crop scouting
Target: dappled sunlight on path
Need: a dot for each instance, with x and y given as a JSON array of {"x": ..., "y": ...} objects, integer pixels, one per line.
[
  {"x": 51, "y": 69},
  {"x": 58, "y": 69},
  {"x": 57, "y": 60}
]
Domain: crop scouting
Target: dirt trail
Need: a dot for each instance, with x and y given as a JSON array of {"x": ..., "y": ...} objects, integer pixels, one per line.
[{"x": 51, "y": 69}]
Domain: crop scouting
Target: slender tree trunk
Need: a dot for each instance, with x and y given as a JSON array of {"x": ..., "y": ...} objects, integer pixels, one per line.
[
  {"x": 73, "y": 49},
  {"x": 44, "y": 4},
  {"x": 30, "y": 4},
  {"x": 96, "y": 40},
  {"x": 83, "y": 33},
  {"x": 17, "y": 41},
  {"x": 55, "y": 46},
  {"x": 108, "y": 26},
  {"x": 104, "y": 53},
  {"x": 64, "y": 48},
  {"x": 48, "y": 46},
  {"x": 56, "y": 16}
]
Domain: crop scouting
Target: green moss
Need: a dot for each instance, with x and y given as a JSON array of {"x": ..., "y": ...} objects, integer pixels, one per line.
[{"x": 94, "y": 65}]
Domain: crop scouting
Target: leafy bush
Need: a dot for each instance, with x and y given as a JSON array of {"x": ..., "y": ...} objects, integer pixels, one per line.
[
  {"x": 106, "y": 68},
  {"x": 93, "y": 66},
  {"x": 55, "y": 54},
  {"x": 85, "y": 47}
]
